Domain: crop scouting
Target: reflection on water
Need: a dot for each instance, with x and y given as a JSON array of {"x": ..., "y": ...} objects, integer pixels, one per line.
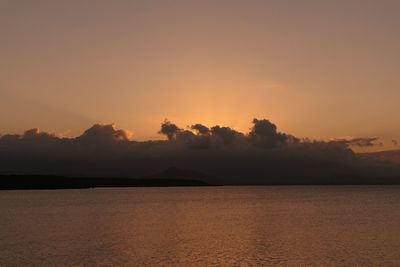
[{"x": 222, "y": 226}]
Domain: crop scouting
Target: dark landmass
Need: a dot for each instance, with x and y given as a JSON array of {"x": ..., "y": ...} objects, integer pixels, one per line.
[
  {"x": 173, "y": 177},
  {"x": 13, "y": 182},
  {"x": 168, "y": 178}
]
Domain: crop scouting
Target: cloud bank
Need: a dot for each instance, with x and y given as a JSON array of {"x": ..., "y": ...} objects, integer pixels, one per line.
[{"x": 230, "y": 156}]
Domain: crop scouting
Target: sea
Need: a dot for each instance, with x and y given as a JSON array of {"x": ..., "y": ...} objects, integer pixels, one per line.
[{"x": 202, "y": 226}]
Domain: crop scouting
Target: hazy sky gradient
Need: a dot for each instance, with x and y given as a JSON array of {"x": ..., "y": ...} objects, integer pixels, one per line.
[{"x": 318, "y": 69}]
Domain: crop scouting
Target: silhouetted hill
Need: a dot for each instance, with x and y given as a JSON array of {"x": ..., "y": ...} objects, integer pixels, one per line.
[
  {"x": 179, "y": 177},
  {"x": 59, "y": 182}
]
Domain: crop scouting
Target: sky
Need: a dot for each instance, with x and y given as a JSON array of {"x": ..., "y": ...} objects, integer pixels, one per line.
[{"x": 318, "y": 69}]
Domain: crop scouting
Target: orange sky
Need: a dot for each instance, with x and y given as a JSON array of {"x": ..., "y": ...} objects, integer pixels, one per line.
[{"x": 318, "y": 69}]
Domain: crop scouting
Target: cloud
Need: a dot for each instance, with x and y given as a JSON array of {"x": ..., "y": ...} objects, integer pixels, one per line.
[
  {"x": 105, "y": 133},
  {"x": 264, "y": 134},
  {"x": 169, "y": 129},
  {"x": 200, "y": 129},
  {"x": 225, "y": 135},
  {"x": 360, "y": 142},
  {"x": 220, "y": 151},
  {"x": 32, "y": 137}
]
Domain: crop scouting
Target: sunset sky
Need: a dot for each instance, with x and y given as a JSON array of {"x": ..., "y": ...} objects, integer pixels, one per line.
[{"x": 318, "y": 69}]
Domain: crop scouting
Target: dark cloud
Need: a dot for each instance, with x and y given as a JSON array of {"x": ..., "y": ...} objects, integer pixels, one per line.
[
  {"x": 265, "y": 134},
  {"x": 169, "y": 129},
  {"x": 225, "y": 135},
  {"x": 200, "y": 129},
  {"x": 184, "y": 135},
  {"x": 35, "y": 135},
  {"x": 31, "y": 137},
  {"x": 388, "y": 156},
  {"x": 99, "y": 133},
  {"x": 360, "y": 142},
  {"x": 232, "y": 156}
]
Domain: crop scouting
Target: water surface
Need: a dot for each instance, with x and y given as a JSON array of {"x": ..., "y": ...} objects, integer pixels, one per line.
[{"x": 212, "y": 226}]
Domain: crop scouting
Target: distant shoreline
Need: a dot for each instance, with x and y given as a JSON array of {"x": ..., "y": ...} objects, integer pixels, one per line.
[
  {"x": 47, "y": 182},
  {"x": 31, "y": 182}
]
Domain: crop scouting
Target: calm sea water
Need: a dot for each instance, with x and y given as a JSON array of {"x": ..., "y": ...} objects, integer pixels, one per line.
[{"x": 213, "y": 226}]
